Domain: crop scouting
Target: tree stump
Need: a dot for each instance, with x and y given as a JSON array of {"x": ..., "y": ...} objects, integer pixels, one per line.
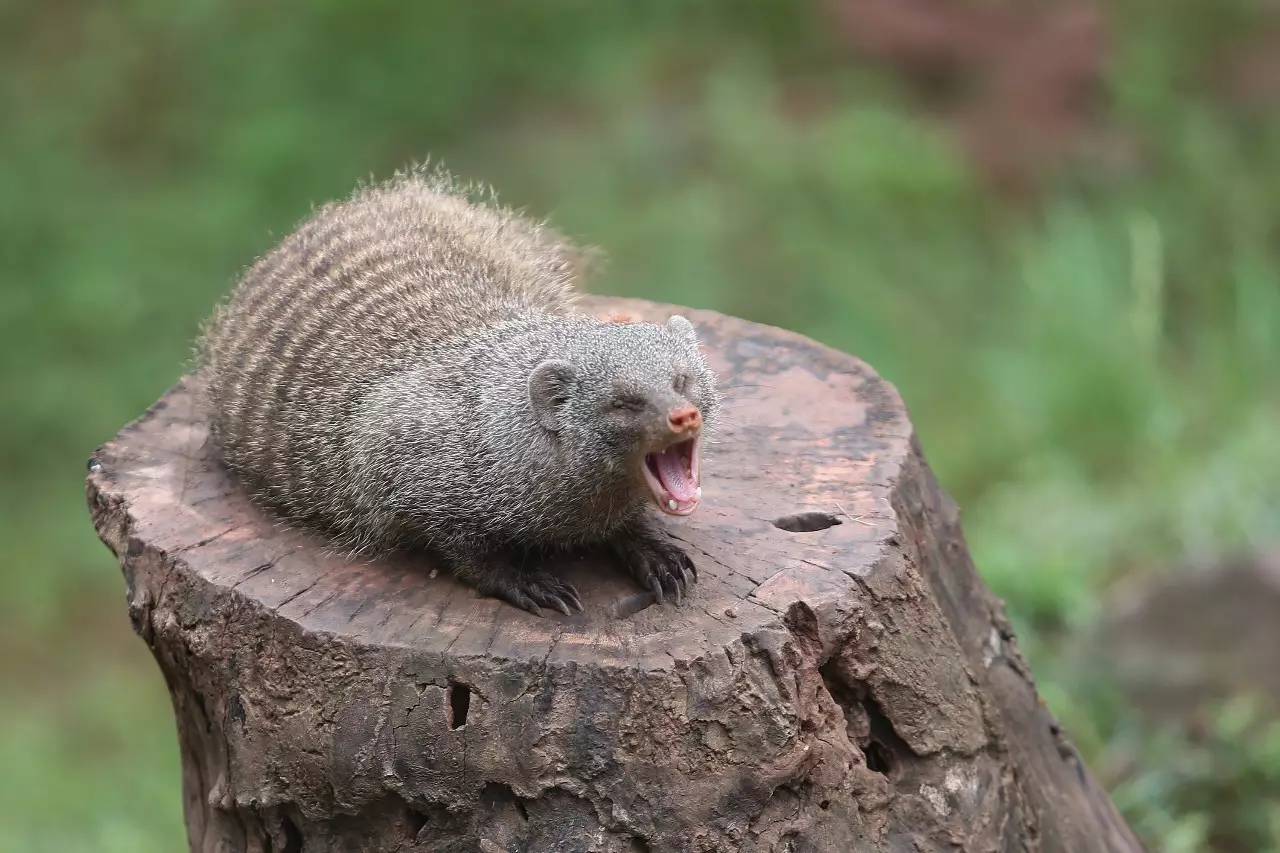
[{"x": 840, "y": 679}]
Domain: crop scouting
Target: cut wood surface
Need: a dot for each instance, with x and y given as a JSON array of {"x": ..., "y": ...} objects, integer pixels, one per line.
[{"x": 839, "y": 680}]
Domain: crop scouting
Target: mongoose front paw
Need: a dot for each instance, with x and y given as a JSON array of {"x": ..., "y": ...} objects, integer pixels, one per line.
[
  {"x": 659, "y": 566},
  {"x": 531, "y": 590}
]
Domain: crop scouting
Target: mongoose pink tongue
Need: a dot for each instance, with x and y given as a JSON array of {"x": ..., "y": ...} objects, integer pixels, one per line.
[{"x": 673, "y": 466}]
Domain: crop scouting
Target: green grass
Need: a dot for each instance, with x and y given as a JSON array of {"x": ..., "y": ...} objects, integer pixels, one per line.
[
  {"x": 90, "y": 755},
  {"x": 1095, "y": 375}
]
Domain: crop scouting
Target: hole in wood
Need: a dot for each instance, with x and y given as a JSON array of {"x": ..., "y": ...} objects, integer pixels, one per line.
[
  {"x": 868, "y": 725},
  {"x": 414, "y": 821},
  {"x": 878, "y": 757},
  {"x": 292, "y": 835},
  {"x": 805, "y": 522},
  {"x": 499, "y": 800},
  {"x": 459, "y": 704}
]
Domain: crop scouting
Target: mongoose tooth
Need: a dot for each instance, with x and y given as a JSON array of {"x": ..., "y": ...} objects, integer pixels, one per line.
[
  {"x": 672, "y": 505},
  {"x": 698, "y": 493}
]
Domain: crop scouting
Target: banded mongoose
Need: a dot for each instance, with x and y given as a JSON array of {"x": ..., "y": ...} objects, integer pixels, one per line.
[{"x": 407, "y": 370}]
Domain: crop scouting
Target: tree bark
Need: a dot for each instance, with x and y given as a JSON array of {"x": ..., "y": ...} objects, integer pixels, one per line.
[{"x": 839, "y": 680}]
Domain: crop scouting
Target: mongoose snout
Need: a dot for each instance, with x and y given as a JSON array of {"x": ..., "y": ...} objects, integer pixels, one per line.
[
  {"x": 685, "y": 419},
  {"x": 406, "y": 370}
]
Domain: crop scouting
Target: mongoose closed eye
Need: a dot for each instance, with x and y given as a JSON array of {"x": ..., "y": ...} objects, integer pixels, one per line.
[{"x": 406, "y": 370}]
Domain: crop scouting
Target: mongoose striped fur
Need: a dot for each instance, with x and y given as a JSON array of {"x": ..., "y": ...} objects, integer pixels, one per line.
[{"x": 406, "y": 370}]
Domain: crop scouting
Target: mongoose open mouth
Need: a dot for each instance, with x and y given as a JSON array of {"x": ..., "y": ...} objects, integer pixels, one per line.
[{"x": 672, "y": 476}]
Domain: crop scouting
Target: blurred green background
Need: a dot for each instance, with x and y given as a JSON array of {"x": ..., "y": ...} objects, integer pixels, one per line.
[{"x": 1055, "y": 226}]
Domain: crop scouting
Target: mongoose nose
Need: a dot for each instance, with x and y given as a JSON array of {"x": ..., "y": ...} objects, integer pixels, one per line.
[{"x": 685, "y": 419}]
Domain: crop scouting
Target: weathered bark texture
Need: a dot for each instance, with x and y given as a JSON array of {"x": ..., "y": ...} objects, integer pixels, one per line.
[{"x": 839, "y": 681}]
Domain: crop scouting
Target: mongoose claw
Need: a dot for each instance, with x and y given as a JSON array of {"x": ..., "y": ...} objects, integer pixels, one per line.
[
  {"x": 659, "y": 566},
  {"x": 656, "y": 586},
  {"x": 533, "y": 590}
]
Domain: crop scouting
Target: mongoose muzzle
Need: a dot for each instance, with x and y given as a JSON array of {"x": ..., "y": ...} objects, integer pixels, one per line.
[{"x": 672, "y": 471}]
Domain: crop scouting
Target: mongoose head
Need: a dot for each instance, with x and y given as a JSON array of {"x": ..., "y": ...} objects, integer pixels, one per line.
[{"x": 633, "y": 400}]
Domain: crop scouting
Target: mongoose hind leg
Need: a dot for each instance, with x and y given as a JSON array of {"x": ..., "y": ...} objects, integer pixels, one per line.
[
  {"x": 499, "y": 575},
  {"x": 657, "y": 563}
]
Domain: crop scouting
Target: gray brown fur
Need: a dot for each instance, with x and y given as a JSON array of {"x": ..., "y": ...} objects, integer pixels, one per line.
[{"x": 371, "y": 377}]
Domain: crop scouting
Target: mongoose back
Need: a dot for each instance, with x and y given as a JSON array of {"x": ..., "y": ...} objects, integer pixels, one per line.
[{"x": 407, "y": 370}]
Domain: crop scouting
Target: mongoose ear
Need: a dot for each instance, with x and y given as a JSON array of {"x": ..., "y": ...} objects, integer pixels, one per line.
[
  {"x": 549, "y": 387},
  {"x": 681, "y": 326}
]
